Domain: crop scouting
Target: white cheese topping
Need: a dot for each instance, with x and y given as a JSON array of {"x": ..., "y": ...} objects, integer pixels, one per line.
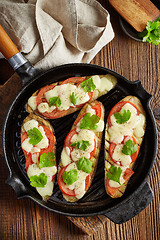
[
  {"x": 35, "y": 157},
  {"x": 79, "y": 185},
  {"x": 86, "y": 135},
  {"x": 64, "y": 92},
  {"x": 30, "y": 125},
  {"x": 44, "y": 143},
  {"x": 120, "y": 130},
  {"x": 121, "y": 157},
  {"x": 49, "y": 172},
  {"x": 65, "y": 159},
  {"x": 32, "y": 102},
  {"x": 103, "y": 83},
  {"x": 44, "y": 107}
]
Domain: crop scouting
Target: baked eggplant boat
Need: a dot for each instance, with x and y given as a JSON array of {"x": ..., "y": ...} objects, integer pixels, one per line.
[
  {"x": 80, "y": 153},
  {"x": 125, "y": 129},
  {"x": 39, "y": 146},
  {"x": 62, "y": 98}
]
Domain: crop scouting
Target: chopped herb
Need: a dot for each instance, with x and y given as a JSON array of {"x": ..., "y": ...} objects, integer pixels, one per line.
[
  {"x": 35, "y": 136},
  {"x": 46, "y": 160},
  {"x": 55, "y": 101},
  {"x": 70, "y": 177},
  {"x": 129, "y": 148},
  {"x": 89, "y": 121},
  {"x": 151, "y": 33},
  {"x": 81, "y": 145},
  {"x": 114, "y": 174},
  {"x": 122, "y": 116},
  {"x": 88, "y": 85},
  {"x": 85, "y": 165},
  {"x": 38, "y": 181},
  {"x": 73, "y": 98}
]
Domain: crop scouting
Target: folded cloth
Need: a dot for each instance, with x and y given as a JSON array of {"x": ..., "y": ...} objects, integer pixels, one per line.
[{"x": 55, "y": 32}]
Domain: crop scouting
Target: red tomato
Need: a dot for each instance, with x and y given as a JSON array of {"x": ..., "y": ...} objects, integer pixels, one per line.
[
  {"x": 127, "y": 174},
  {"x": 117, "y": 108},
  {"x": 28, "y": 161},
  {"x": 63, "y": 186},
  {"x": 67, "y": 142},
  {"x": 111, "y": 190},
  {"x": 75, "y": 80},
  {"x": 113, "y": 145},
  {"x": 40, "y": 97},
  {"x": 50, "y": 137}
]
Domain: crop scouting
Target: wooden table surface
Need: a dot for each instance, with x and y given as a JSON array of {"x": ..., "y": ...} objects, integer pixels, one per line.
[{"x": 23, "y": 219}]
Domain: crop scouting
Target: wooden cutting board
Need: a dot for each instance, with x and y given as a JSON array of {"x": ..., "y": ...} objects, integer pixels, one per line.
[{"x": 8, "y": 92}]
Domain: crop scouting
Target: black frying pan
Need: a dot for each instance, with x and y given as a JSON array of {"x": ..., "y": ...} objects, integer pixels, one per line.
[{"x": 138, "y": 193}]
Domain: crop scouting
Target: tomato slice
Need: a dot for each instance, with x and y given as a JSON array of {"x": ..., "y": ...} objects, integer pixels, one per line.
[
  {"x": 127, "y": 174},
  {"x": 117, "y": 108},
  {"x": 40, "y": 97},
  {"x": 111, "y": 190},
  {"x": 98, "y": 110},
  {"x": 28, "y": 161},
  {"x": 74, "y": 80},
  {"x": 50, "y": 137},
  {"x": 63, "y": 186},
  {"x": 113, "y": 145},
  {"x": 67, "y": 142}
]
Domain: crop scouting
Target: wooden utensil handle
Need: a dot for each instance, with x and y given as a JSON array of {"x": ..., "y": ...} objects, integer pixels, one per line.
[
  {"x": 136, "y": 12},
  {"x": 7, "y": 47}
]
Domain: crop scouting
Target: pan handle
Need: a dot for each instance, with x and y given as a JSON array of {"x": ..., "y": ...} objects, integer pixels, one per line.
[
  {"x": 18, "y": 62},
  {"x": 133, "y": 206},
  {"x": 18, "y": 186}
]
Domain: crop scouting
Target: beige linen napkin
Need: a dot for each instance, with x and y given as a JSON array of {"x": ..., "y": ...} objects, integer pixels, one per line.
[{"x": 55, "y": 32}]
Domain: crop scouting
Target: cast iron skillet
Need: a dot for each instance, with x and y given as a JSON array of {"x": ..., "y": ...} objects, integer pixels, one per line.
[{"x": 138, "y": 194}]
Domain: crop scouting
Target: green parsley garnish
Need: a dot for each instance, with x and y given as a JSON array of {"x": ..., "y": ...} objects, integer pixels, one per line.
[
  {"x": 81, "y": 145},
  {"x": 54, "y": 101},
  {"x": 151, "y": 33},
  {"x": 89, "y": 121},
  {"x": 46, "y": 160},
  {"x": 130, "y": 147},
  {"x": 70, "y": 177},
  {"x": 73, "y": 98},
  {"x": 122, "y": 116},
  {"x": 88, "y": 85},
  {"x": 35, "y": 136},
  {"x": 85, "y": 165},
  {"x": 114, "y": 174},
  {"x": 38, "y": 181}
]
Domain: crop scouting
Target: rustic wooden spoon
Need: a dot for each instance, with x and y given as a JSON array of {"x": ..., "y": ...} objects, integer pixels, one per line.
[{"x": 136, "y": 12}]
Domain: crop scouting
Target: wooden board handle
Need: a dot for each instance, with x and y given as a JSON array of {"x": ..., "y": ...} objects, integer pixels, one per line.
[
  {"x": 136, "y": 12},
  {"x": 7, "y": 47}
]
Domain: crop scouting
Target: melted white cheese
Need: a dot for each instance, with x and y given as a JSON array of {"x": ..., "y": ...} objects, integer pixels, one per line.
[
  {"x": 121, "y": 157},
  {"x": 30, "y": 125},
  {"x": 64, "y": 92},
  {"x": 44, "y": 107},
  {"x": 65, "y": 159},
  {"x": 32, "y": 102},
  {"x": 49, "y": 172},
  {"x": 86, "y": 135},
  {"x": 44, "y": 142},
  {"x": 120, "y": 130},
  {"x": 104, "y": 83},
  {"x": 79, "y": 185}
]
